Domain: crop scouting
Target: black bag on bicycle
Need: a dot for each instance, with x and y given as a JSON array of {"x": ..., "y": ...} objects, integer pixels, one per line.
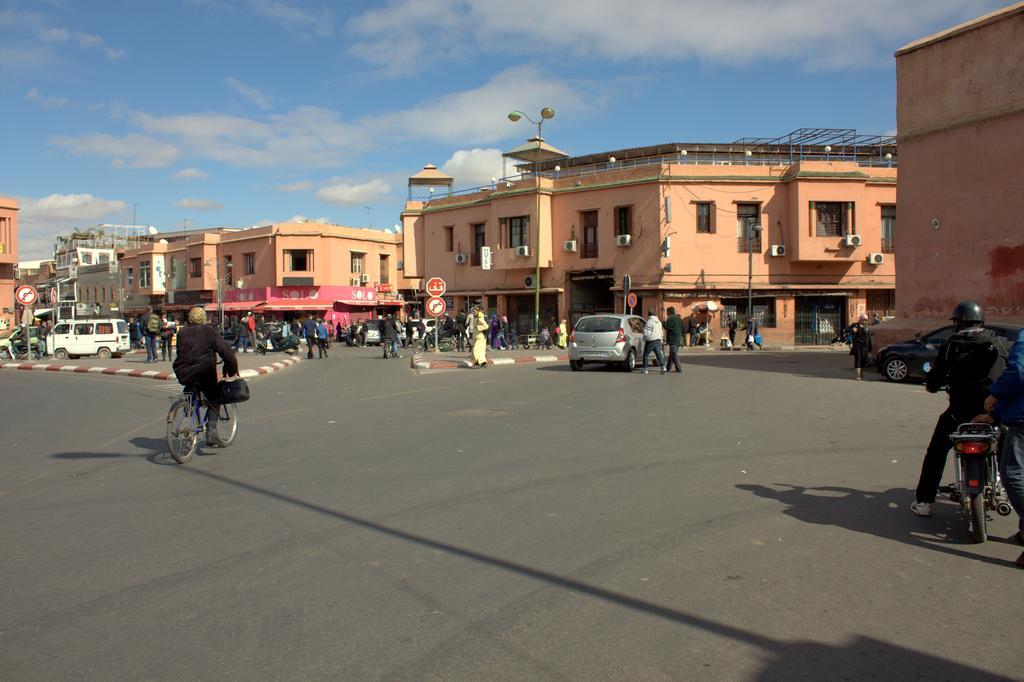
[{"x": 233, "y": 391}]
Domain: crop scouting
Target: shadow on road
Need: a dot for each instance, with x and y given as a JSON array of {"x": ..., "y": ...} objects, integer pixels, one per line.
[
  {"x": 153, "y": 449},
  {"x": 861, "y": 657},
  {"x": 881, "y": 514}
]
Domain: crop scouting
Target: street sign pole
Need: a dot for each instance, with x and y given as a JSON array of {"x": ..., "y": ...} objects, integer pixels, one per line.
[{"x": 627, "y": 282}]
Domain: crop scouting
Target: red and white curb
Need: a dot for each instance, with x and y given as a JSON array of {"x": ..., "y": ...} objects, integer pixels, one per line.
[
  {"x": 419, "y": 363},
  {"x": 136, "y": 373}
]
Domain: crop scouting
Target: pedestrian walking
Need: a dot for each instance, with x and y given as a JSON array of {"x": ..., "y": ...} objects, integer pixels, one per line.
[
  {"x": 460, "y": 331},
  {"x": 167, "y": 331},
  {"x": 563, "y": 334},
  {"x": 674, "y": 336},
  {"x": 322, "y": 336},
  {"x": 653, "y": 338},
  {"x": 753, "y": 334},
  {"x": 1005, "y": 404},
  {"x": 135, "y": 333},
  {"x": 479, "y": 326},
  {"x": 860, "y": 345},
  {"x": 545, "y": 339},
  {"x": 732, "y": 326},
  {"x": 309, "y": 333},
  {"x": 150, "y": 330}
]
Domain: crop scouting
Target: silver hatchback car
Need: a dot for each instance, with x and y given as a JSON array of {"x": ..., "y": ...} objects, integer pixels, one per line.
[{"x": 617, "y": 339}]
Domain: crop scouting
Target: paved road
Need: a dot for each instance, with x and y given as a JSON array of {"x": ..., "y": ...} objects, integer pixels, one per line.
[{"x": 744, "y": 521}]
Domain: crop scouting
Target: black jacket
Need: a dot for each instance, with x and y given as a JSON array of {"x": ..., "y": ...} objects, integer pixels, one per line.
[
  {"x": 968, "y": 362},
  {"x": 198, "y": 348}
]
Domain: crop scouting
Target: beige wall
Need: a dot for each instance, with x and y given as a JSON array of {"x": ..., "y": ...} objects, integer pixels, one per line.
[
  {"x": 960, "y": 114},
  {"x": 8, "y": 258}
]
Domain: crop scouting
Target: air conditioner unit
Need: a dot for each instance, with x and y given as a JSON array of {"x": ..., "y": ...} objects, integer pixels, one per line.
[
  {"x": 355, "y": 281},
  {"x": 876, "y": 258},
  {"x": 364, "y": 278},
  {"x": 522, "y": 250},
  {"x": 461, "y": 258},
  {"x": 777, "y": 250},
  {"x": 529, "y": 282},
  {"x": 623, "y": 240},
  {"x": 570, "y": 246},
  {"x": 852, "y": 240}
]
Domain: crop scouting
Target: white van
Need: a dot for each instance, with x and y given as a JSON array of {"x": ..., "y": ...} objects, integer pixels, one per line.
[{"x": 102, "y": 338}]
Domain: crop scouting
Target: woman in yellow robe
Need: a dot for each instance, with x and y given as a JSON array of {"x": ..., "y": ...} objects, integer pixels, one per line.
[{"x": 479, "y": 327}]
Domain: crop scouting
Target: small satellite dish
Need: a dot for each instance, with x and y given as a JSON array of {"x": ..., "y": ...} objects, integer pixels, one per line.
[{"x": 153, "y": 230}]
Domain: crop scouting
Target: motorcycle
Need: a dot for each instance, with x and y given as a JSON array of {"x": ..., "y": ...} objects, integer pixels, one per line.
[
  {"x": 285, "y": 344},
  {"x": 977, "y": 488}
]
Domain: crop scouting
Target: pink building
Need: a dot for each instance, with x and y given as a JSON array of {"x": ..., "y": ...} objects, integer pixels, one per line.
[
  {"x": 676, "y": 219},
  {"x": 8, "y": 260},
  {"x": 278, "y": 271},
  {"x": 960, "y": 113}
]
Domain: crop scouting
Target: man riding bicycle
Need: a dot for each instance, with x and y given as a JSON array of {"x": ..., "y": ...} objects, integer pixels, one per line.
[{"x": 199, "y": 344}]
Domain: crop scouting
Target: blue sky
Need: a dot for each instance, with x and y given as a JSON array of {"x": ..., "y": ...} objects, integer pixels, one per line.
[{"x": 242, "y": 112}]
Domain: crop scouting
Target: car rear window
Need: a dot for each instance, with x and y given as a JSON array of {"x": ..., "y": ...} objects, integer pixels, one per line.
[
  {"x": 598, "y": 324},
  {"x": 122, "y": 327}
]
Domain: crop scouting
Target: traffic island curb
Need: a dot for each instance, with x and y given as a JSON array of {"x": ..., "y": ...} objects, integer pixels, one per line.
[
  {"x": 417, "y": 361},
  {"x": 136, "y": 373}
]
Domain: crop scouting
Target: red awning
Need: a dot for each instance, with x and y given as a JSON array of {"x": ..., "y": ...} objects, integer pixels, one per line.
[
  {"x": 394, "y": 303},
  {"x": 361, "y": 304},
  {"x": 234, "y": 306}
]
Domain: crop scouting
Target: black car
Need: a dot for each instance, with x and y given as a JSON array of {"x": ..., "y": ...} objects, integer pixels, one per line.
[{"x": 912, "y": 359}]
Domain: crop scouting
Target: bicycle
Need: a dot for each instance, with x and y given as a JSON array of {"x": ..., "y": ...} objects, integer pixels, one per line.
[{"x": 187, "y": 418}]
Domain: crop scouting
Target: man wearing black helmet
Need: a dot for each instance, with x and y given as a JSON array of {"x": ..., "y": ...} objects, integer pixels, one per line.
[{"x": 968, "y": 362}]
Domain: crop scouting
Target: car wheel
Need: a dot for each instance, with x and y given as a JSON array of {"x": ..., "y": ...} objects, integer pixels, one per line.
[
  {"x": 103, "y": 353},
  {"x": 896, "y": 369},
  {"x": 60, "y": 354},
  {"x": 629, "y": 364},
  {"x": 576, "y": 365}
]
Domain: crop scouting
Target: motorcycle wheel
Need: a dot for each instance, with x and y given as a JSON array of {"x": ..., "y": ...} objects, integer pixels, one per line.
[{"x": 978, "y": 521}]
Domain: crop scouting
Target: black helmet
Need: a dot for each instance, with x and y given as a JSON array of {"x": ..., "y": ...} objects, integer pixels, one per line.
[{"x": 968, "y": 311}]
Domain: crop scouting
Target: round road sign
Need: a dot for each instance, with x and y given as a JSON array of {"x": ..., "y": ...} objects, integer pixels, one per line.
[
  {"x": 435, "y": 306},
  {"x": 26, "y": 294},
  {"x": 436, "y": 287},
  {"x": 631, "y": 300}
]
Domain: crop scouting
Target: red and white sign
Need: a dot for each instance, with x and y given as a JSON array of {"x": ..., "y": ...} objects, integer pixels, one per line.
[
  {"x": 25, "y": 294},
  {"x": 631, "y": 300},
  {"x": 436, "y": 307},
  {"x": 436, "y": 287},
  {"x": 384, "y": 288}
]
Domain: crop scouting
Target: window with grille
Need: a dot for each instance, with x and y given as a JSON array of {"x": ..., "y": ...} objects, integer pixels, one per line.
[
  {"x": 704, "y": 217},
  {"x": 383, "y": 270},
  {"x": 449, "y": 238},
  {"x": 250, "y": 263},
  {"x": 623, "y": 220},
  {"x": 195, "y": 267},
  {"x": 517, "y": 230},
  {"x": 479, "y": 242},
  {"x": 747, "y": 216},
  {"x": 830, "y": 218},
  {"x": 764, "y": 311},
  {"x": 589, "y": 220},
  {"x": 299, "y": 260},
  {"x": 888, "y": 229},
  {"x": 357, "y": 263},
  {"x": 144, "y": 273}
]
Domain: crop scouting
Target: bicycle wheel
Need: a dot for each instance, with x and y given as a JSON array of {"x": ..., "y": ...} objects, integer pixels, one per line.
[
  {"x": 181, "y": 436},
  {"x": 227, "y": 426}
]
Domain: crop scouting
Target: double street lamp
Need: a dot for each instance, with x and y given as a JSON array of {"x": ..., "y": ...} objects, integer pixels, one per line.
[{"x": 545, "y": 114}]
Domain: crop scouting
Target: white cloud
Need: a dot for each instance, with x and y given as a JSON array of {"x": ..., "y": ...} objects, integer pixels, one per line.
[
  {"x": 83, "y": 40},
  {"x": 250, "y": 93},
  {"x": 34, "y": 95},
  {"x": 200, "y": 204},
  {"x": 41, "y": 220},
  {"x": 299, "y": 218},
  {"x": 132, "y": 150},
  {"x": 318, "y": 22},
  {"x": 347, "y": 194},
  {"x": 299, "y": 186},
  {"x": 474, "y": 166},
  {"x": 815, "y": 32},
  {"x": 190, "y": 174}
]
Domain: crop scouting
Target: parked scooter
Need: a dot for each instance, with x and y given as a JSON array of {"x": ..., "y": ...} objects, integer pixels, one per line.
[
  {"x": 277, "y": 342},
  {"x": 977, "y": 488}
]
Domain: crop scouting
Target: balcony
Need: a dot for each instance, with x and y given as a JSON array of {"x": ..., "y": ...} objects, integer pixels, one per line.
[{"x": 588, "y": 250}]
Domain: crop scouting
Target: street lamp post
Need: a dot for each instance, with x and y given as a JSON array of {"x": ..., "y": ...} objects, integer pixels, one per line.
[
  {"x": 752, "y": 228},
  {"x": 545, "y": 114}
]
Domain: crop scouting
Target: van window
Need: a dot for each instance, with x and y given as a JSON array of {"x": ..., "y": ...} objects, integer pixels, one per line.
[
  {"x": 122, "y": 327},
  {"x": 62, "y": 328},
  {"x": 104, "y": 327},
  {"x": 83, "y": 329}
]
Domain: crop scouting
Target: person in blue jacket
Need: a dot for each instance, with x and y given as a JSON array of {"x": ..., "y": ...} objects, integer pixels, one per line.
[{"x": 1005, "y": 404}]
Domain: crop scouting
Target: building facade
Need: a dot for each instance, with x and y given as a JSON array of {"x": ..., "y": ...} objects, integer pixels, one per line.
[
  {"x": 960, "y": 114},
  {"x": 8, "y": 260},
  {"x": 278, "y": 271},
  {"x": 682, "y": 222}
]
